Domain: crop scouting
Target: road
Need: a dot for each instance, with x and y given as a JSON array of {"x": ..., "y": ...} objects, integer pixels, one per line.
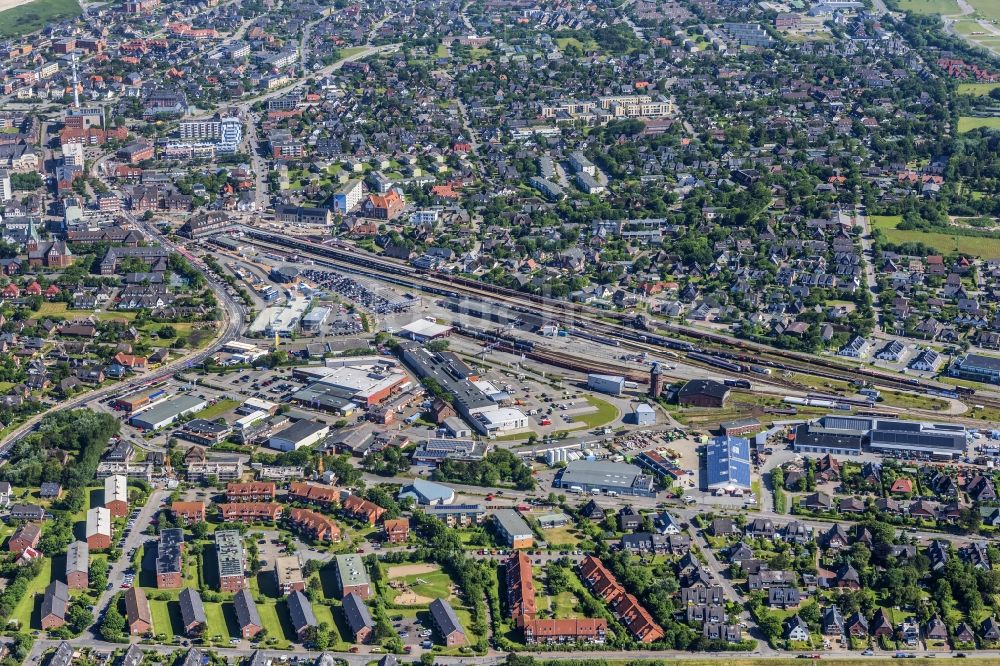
[
  {"x": 867, "y": 253},
  {"x": 493, "y": 658},
  {"x": 135, "y": 539}
]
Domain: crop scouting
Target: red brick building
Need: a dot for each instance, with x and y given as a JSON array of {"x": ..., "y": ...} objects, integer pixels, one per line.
[
  {"x": 26, "y": 536},
  {"x": 255, "y": 491}
]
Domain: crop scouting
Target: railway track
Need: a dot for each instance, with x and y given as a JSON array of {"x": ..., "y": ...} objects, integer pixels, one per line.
[{"x": 342, "y": 257}]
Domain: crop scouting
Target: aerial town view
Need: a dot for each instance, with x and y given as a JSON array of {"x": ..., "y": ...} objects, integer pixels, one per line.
[{"x": 499, "y": 332}]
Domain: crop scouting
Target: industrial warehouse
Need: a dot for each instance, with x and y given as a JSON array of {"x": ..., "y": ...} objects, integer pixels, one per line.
[
  {"x": 356, "y": 384},
  {"x": 474, "y": 401},
  {"x": 610, "y": 478},
  {"x": 168, "y": 411},
  {"x": 727, "y": 462},
  {"x": 847, "y": 435}
]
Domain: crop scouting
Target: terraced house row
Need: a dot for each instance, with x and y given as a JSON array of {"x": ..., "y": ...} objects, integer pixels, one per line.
[
  {"x": 624, "y": 605},
  {"x": 523, "y": 610}
]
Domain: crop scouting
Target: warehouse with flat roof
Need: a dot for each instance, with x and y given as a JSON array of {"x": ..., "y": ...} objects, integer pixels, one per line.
[
  {"x": 847, "y": 435},
  {"x": 942, "y": 441},
  {"x": 606, "y": 477},
  {"x": 728, "y": 464},
  {"x": 298, "y": 435},
  {"x": 165, "y": 413}
]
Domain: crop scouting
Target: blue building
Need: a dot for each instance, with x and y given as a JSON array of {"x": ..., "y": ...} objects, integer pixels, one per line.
[{"x": 728, "y": 464}]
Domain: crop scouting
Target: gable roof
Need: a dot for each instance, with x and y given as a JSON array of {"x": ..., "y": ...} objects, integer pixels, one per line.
[
  {"x": 192, "y": 608},
  {"x": 300, "y": 611},
  {"x": 356, "y": 613},
  {"x": 246, "y": 609},
  {"x": 445, "y": 617}
]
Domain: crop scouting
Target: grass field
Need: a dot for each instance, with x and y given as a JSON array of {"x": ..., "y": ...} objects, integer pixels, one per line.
[
  {"x": 561, "y": 536},
  {"x": 563, "y": 42},
  {"x": 977, "y": 89},
  {"x": 986, "y": 248},
  {"x": 945, "y": 7},
  {"x": 272, "y": 622},
  {"x": 218, "y": 409},
  {"x": 989, "y": 9},
  {"x": 565, "y": 605},
  {"x": 436, "y": 584},
  {"x": 35, "y": 16},
  {"x": 61, "y": 310},
  {"x": 162, "y": 624},
  {"x": 216, "y": 620},
  {"x": 969, "y": 123},
  {"x": 604, "y": 414},
  {"x": 913, "y": 401},
  {"x": 24, "y": 611},
  {"x": 351, "y": 51}
]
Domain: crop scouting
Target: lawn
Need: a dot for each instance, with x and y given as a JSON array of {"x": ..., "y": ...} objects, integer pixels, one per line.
[
  {"x": 325, "y": 613},
  {"x": 913, "y": 400},
  {"x": 162, "y": 624},
  {"x": 275, "y": 629},
  {"x": 969, "y": 123},
  {"x": 604, "y": 414},
  {"x": 945, "y": 7},
  {"x": 218, "y": 409},
  {"x": 986, "y": 248},
  {"x": 989, "y": 9},
  {"x": 565, "y": 605},
  {"x": 36, "y": 15},
  {"x": 977, "y": 89},
  {"x": 435, "y": 585},
  {"x": 561, "y": 536},
  {"x": 352, "y": 51},
  {"x": 24, "y": 611},
  {"x": 61, "y": 310},
  {"x": 585, "y": 46},
  {"x": 216, "y": 620}
]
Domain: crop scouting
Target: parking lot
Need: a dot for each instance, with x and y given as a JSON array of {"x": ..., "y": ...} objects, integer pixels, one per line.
[{"x": 369, "y": 294}]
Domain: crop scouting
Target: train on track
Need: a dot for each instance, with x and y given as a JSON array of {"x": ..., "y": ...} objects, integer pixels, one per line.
[{"x": 493, "y": 337}]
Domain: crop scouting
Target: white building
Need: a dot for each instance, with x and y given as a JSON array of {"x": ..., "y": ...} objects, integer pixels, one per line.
[
  {"x": 500, "y": 420},
  {"x": 225, "y": 133}
]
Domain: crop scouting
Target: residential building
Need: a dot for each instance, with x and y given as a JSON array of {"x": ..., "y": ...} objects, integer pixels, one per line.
[
  {"x": 314, "y": 525},
  {"x": 78, "y": 565},
  {"x": 55, "y": 604},
  {"x": 138, "y": 617},
  {"x": 229, "y": 551},
  {"x": 169, "y": 558},
  {"x": 288, "y": 573},
  {"x": 300, "y": 613},
  {"x": 352, "y": 576},
  {"x": 512, "y": 529},
  {"x": 116, "y": 495},
  {"x": 193, "y": 618},
  {"x": 448, "y": 625},
  {"x": 254, "y": 491},
  {"x": 359, "y": 620},
  {"x": 98, "y": 528},
  {"x": 247, "y": 617},
  {"x": 25, "y": 536}
]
